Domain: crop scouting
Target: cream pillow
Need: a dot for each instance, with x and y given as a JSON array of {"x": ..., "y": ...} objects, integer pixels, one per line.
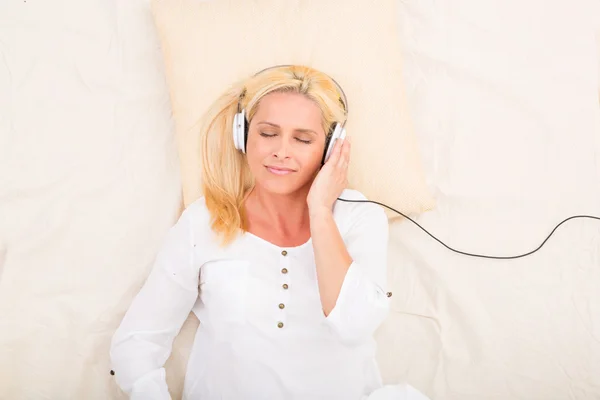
[{"x": 208, "y": 45}]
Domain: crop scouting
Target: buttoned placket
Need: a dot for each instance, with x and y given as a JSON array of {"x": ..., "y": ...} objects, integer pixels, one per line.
[{"x": 284, "y": 288}]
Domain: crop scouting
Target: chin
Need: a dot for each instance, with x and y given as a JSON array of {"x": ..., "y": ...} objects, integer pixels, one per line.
[{"x": 279, "y": 186}]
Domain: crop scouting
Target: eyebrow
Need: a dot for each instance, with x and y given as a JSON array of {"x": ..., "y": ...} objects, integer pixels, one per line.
[{"x": 301, "y": 130}]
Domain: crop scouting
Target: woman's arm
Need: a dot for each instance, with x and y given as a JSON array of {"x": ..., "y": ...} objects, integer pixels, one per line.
[
  {"x": 142, "y": 343},
  {"x": 331, "y": 256},
  {"x": 352, "y": 271}
]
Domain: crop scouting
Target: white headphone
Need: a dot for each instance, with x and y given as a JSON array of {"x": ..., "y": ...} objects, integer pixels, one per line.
[{"x": 240, "y": 124}]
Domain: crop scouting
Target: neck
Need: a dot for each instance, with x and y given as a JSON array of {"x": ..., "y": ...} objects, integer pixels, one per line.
[{"x": 287, "y": 214}]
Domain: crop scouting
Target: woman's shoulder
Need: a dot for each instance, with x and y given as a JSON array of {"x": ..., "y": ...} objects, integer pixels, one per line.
[
  {"x": 354, "y": 200},
  {"x": 197, "y": 217},
  {"x": 352, "y": 194},
  {"x": 353, "y": 206},
  {"x": 197, "y": 212}
]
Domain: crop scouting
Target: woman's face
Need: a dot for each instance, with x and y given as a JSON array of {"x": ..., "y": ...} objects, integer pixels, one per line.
[{"x": 286, "y": 142}]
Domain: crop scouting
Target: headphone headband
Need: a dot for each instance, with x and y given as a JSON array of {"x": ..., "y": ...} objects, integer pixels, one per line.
[{"x": 342, "y": 95}]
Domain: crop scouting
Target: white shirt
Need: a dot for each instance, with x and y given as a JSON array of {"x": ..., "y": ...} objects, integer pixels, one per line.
[{"x": 263, "y": 334}]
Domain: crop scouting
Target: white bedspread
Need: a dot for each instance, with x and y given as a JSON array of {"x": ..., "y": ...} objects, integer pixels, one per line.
[
  {"x": 505, "y": 102},
  {"x": 505, "y": 98},
  {"x": 88, "y": 174}
]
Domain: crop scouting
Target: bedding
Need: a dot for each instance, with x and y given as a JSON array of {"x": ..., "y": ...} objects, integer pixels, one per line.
[
  {"x": 505, "y": 102},
  {"x": 504, "y": 96},
  {"x": 89, "y": 184},
  {"x": 210, "y": 45}
]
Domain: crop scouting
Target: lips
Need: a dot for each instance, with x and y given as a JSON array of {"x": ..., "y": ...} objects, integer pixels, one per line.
[{"x": 279, "y": 170}]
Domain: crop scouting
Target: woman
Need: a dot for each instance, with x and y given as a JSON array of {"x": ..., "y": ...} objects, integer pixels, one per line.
[{"x": 288, "y": 283}]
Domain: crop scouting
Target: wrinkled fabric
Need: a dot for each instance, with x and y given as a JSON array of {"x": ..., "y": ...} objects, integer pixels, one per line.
[
  {"x": 504, "y": 98},
  {"x": 262, "y": 333}
]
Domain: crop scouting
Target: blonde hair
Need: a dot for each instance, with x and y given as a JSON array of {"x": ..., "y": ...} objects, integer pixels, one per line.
[{"x": 226, "y": 178}]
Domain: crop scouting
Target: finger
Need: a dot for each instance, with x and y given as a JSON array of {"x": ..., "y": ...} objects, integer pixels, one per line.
[
  {"x": 335, "y": 154},
  {"x": 345, "y": 155}
]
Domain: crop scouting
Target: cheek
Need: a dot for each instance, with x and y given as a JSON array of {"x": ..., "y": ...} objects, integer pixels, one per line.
[
  {"x": 255, "y": 153},
  {"x": 313, "y": 158},
  {"x": 255, "y": 161},
  {"x": 310, "y": 162}
]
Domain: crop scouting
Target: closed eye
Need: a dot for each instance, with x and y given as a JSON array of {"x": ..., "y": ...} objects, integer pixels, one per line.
[{"x": 269, "y": 135}]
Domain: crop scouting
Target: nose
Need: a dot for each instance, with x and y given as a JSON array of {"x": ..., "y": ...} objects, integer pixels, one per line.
[{"x": 282, "y": 151}]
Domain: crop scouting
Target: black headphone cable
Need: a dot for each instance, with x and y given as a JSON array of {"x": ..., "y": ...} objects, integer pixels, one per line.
[{"x": 464, "y": 252}]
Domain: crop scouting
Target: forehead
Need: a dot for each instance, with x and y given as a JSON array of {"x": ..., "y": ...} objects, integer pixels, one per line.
[{"x": 289, "y": 109}]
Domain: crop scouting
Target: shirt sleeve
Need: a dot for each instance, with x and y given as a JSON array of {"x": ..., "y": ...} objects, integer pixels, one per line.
[
  {"x": 143, "y": 341},
  {"x": 363, "y": 302}
]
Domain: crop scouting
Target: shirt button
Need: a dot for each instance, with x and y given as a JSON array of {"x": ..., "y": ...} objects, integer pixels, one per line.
[
  {"x": 389, "y": 294},
  {"x": 280, "y": 324},
  {"x": 284, "y": 271},
  {"x": 284, "y": 253},
  {"x": 281, "y": 305},
  {"x": 285, "y": 286}
]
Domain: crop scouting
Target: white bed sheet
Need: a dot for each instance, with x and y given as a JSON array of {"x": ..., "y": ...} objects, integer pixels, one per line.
[
  {"x": 505, "y": 101},
  {"x": 88, "y": 187}
]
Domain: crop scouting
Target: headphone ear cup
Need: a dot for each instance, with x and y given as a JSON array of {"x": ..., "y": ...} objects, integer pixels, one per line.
[
  {"x": 234, "y": 129},
  {"x": 338, "y": 133},
  {"x": 245, "y": 127},
  {"x": 325, "y": 153},
  {"x": 240, "y": 131}
]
